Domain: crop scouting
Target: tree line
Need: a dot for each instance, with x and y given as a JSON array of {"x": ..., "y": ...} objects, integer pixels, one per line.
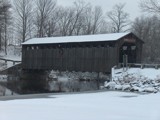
[
  {"x": 147, "y": 28},
  {"x": 21, "y": 20},
  {"x": 45, "y": 18}
]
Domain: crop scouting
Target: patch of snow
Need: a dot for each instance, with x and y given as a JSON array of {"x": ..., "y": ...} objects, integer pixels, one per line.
[
  {"x": 118, "y": 87},
  {"x": 150, "y": 90},
  {"x": 126, "y": 87},
  {"x": 110, "y": 85},
  {"x": 63, "y": 79},
  {"x": 135, "y": 88}
]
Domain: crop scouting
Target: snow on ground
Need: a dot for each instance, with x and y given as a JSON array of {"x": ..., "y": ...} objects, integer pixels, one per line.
[
  {"x": 149, "y": 73},
  {"x": 135, "y": 79},
  {"x": 93, "y": 106},
  {"x": 12, "y": 57}
]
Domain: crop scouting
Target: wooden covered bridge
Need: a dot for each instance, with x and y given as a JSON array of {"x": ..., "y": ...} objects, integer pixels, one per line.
[{"x": 92, "y": 53}]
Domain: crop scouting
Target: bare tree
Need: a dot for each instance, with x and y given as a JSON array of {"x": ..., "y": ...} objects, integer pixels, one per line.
[
  {"x": 87, "y": 21},
  {"x": 71, "y": 20},
  {"x": 139, "y": 28},
  {"x": 150, "y": 32},
  {"x": 93, "y": 20},
  {"x": 90, "y": 20},
  {"x": 23, "y": 9},
  {"x": 52, "y": 28},
  {"x": 97, "y": 19},
  {"x": 44, "y": 9},
  {"x": 78, "y": 9},
  {"x": 118, "y": 18},
  {"x": 7, "y": 18},
  {"x": 105, "y": 27},
  {"x": 152, "y": 6},
  {"x": 66, "y": 15}
]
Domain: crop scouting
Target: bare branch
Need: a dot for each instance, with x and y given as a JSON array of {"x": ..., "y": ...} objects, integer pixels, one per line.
[{"x": 151, "y": 6}]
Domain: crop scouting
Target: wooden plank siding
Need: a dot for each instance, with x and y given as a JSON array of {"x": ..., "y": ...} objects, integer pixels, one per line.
[{"x": 93, "y": 59}]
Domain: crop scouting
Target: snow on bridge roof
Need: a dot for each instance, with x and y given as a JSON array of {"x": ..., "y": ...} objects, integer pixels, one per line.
[{"x": 74, "y": 39}]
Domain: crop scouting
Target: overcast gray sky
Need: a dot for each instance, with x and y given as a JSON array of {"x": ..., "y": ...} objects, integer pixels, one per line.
[{"x": 132, "y": 6}]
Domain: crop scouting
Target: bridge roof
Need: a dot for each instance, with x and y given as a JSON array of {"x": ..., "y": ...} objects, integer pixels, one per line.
[{"x": 76, "y": 39}]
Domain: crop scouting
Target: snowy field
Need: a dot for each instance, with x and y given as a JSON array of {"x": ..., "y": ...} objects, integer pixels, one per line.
[{"x": 91, "y": 106}]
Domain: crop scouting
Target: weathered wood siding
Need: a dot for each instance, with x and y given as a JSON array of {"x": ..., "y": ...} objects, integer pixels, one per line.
[{"x": 92, "y": 59}]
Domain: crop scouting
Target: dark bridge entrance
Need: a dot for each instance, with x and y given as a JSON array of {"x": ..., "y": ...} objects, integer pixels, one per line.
[{"x": 128, "y": 49}]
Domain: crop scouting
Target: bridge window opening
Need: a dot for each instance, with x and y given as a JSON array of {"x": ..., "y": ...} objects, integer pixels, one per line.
[
  {"x": 28, "y": 48},
  {"x": 133, "y": 47},
  {"x": 124, "y": 47},
  {"x": 37, "y": 47},
  {"x": 32, "y": 47}
]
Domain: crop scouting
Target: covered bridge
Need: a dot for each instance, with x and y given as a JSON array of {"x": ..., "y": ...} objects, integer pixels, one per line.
[{"x": 92, "y": 53}]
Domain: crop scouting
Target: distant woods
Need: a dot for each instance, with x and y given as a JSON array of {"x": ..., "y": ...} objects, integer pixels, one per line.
[
  {"x": 21, "y": 20},
  {"x": 147, "y": 27}
]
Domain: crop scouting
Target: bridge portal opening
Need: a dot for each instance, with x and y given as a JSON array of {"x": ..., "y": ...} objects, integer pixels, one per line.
[{"x": 128, "y": 49}]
